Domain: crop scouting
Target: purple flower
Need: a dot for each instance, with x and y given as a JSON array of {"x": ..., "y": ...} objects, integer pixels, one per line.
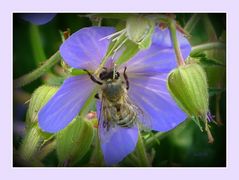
[
  {"x": 147, "y": 73},
  {"x": 38, "y": 18}
]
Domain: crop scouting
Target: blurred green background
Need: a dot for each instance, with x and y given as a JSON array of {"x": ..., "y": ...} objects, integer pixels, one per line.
[{"x": 185, "y": 146}]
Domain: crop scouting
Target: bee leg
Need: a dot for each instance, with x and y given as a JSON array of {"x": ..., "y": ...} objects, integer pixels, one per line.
[
  {"x": 106, "y": 125},
  {"x": 126, "y": 78},
  {"x": 92, "y": 77},
  {"x": 97, "y": 96}
]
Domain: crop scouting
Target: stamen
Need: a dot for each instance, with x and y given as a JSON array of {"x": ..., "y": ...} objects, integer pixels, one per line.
[
  {"x": 112, "y": 35},
  {"x": 210, "y": 117}
]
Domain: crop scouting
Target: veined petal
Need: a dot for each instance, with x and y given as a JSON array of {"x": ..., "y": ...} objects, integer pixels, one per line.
[
  {"x": 150, "y": 94},
  {"x": 85, "y": 48},
  {"x": 65, "y": 104},
  {"x": 162, "y": 38},
  {"x": 117, "y": 142},
  {"x": 160, "y": 57},
  {"x": 38, "y": 18}
]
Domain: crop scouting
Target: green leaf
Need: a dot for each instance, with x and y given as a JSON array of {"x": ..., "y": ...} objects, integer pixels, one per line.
[
  {"x": 182, "y": 136},
  {"x": 73, "y": 142},
  {"x": 192, "y": 22},
  {"x": 97, "y": 158},
  {"x": 210, "y": 30}
]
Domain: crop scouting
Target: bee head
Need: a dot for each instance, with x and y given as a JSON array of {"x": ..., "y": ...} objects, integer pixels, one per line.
[{"x": 109, "y": 74}]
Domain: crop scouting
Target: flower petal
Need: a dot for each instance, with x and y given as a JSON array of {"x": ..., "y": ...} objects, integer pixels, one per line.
[
  {"x": 160, "y": 57},
  {"x": 65, "y": 104},
  {"x": 150, "y": 94},
  {"x": 38, "y": 18},
  {"x": 117, "y": 142},
  {"x": 162, "y": 38},
  {"x": 85, "y": 48}
]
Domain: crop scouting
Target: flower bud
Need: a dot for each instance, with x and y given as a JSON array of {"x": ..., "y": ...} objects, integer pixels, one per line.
[
  {"x": 188, "y": 86},
  {"x": 39, "y": 98},
  {"x": 34, "y": 136},
  {"x": 73, "y": 142},
  {"x": 139, "y": 29}
]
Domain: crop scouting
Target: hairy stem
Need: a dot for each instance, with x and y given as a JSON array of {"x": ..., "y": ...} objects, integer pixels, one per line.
[
  {"x": 28, "y": 78},
  {"x": 141, "y": 153},
  {"x": 207, "y": 46},
  {"x": 176, "y": 46},
  {"x": 36, "y": 44},
  {"x": 155, "y": 138}
]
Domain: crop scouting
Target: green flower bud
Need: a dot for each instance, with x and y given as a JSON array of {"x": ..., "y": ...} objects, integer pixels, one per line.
[
  {"x": 39, "y": 98},
  {"x": 73, "y": 142},
  {"x": 30, "y": 143},
  {"x": 139, "y": 29},
  {"x": 34, "y": 137},
  {"x": 188, "y": 86}
]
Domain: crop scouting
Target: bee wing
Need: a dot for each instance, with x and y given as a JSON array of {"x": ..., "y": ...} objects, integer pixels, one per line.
[
  {"x": 116, "y": 142},
  {"x": 104, "y": 124},
  {"x": 143, "y": 119}
]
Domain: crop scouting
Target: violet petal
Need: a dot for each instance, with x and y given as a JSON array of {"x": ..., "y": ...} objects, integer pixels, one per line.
[
  {"x": 38, "y": 18},
  {"x": 117, "y": 142},
  {"x": 160, "y": 57},
  {"x": 65, "y": 104},
  {"x": 85, "y": 48},
  {"x": 150, "y": 94}
]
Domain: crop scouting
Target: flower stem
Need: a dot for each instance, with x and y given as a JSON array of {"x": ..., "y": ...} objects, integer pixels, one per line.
[
  {"x": 45, "y": 150},
  {"x": 172, "y": 28},
  {"x": 209, "y": 134},
  {"x": 155, "y": 138},
  {"x": 141, "y": 153},
  {"x": 28, "y": 78},
  {"x": 36, "y": 43},
  {"x": 207, "y": 46}
]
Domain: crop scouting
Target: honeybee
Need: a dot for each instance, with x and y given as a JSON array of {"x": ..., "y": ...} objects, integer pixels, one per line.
[{"x": 116, "y": 107}]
